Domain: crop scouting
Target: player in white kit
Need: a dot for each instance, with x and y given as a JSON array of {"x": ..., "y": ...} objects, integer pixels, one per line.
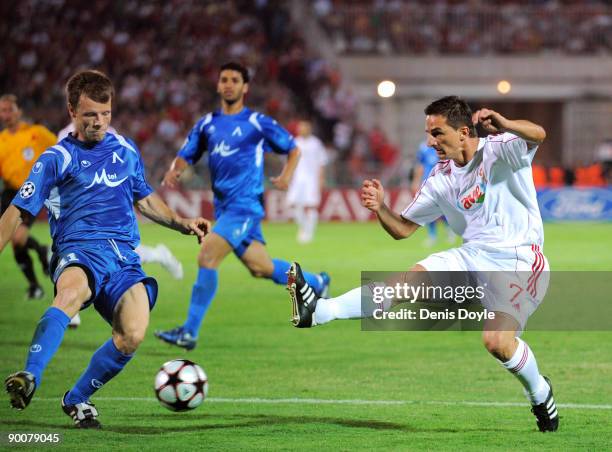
[
  {"x": 484, "y": 187},
  {"x": 304, "y": 194}
]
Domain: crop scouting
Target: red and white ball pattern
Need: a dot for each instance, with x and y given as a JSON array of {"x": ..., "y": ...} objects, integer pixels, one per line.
[{"x": 181, "y": 385}]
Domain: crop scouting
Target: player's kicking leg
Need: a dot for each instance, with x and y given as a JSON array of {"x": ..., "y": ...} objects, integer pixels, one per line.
[
  {"x": 310, "y": 309},
  {"x": 499, "y": 338},
  {"x": 130, "y": 321},
  {"x": 72, "y": 290}
]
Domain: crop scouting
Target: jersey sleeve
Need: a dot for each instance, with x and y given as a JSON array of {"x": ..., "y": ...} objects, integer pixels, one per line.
[
  {"x": 45, "y": 174},
  {"x": 423, "y": 209},
  {"x": 513, "y": 150},
  {"x": 140, "y": 187},
  {"x": 277, "y": 138},
  {"x": 196, "y": 143}
]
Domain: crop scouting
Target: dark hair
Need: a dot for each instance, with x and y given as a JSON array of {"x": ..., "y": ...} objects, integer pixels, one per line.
[
  {"x": 456, "y": 111},
  {"x": 94, "y": 84},
  {"x": 233, "y": 66}
]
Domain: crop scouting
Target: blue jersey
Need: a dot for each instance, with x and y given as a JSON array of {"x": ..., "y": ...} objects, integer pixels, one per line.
[
  {"x": 427, "y": 157},
  {"x": 235, "y": 145},
  {"x": 89, "y": 190}
]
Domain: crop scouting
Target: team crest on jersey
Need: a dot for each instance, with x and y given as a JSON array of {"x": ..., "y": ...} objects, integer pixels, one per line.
[
  {"x": 28, "y": 154},
  {"x": 27, "y": 189},
  {"x": 116, "y": 157}
]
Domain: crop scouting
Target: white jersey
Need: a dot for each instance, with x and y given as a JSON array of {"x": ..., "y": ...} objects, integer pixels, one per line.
[
  {"x": 70, "y": 128},
  {"x": 305, "y": 185},
  {"x": 491, "y": 200}
]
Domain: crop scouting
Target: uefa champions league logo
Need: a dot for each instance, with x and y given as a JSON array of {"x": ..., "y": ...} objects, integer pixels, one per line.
[{"x": 27, "y": 190}]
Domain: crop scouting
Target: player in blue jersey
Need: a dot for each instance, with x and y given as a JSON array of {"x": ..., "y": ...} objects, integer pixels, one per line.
[
  {"x": 426, "y": 159},
  {"x": 89, "y": 183},
  {"x": 235, "y": 138}
]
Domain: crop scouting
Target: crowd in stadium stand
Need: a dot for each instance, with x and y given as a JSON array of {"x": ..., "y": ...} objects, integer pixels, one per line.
[
  {"x": 471, "y": 27},
  {"x": 164, "y": 56}
]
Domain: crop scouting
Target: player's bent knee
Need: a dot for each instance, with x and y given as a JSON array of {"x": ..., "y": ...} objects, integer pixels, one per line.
[
  {"x": 499, "y": 343},
  {"x": 128, "y": 341},
  {"x": 206, "y": 260}
]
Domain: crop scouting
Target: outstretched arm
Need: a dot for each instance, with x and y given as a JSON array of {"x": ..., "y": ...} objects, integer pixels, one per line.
[
  {"x": 282, "y": 181},
  {"x": 493, "y": 122},
  {"x": 8, "y": 224},
  {"x": 154, "y": 208},
  {"x": 372, "y": 198}
]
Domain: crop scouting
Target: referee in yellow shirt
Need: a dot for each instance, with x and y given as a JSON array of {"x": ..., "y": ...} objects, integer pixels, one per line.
[{"x": 20, "y": 146}]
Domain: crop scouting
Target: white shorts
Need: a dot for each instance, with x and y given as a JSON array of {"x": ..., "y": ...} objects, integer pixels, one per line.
[
  {"x": 515, "y": 279},
  {"x": 304, "y": 192}
]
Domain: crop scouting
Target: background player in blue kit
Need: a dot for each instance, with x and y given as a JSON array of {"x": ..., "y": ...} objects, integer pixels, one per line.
[
  {"x": 235, "y": 138},
  {"x": 89, "y": 183}
]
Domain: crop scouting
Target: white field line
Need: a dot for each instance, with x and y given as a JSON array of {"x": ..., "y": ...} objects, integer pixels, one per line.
[{"x": 257, "y": 400}]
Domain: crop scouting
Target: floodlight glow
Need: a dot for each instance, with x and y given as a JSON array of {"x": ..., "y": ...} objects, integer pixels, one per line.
[
  {"x": 504, "y": 87},
  {"x": 386, "y": 88}
]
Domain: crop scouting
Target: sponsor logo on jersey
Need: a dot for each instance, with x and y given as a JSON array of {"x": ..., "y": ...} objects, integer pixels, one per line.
[
  {"x": 474, "y": 198},
  {"x": 28, "y": 154},
  {"x": 37, "y": 168},
  {"x": 223, "y": 149},
  {"x": 27, "y": 189},
  {"x": 107, "y": 179}
]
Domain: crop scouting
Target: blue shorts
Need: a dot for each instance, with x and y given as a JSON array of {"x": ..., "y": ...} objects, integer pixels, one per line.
[
  {"x": 239, "y": 229},
  {"x": 111, "y": 267}
]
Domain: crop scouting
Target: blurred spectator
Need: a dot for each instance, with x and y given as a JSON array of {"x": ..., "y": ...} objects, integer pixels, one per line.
[{"x": 506, "y": 27}]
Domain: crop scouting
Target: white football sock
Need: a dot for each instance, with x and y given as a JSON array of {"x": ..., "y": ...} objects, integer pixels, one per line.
[
  {"x": 524, "y": 367},
  {"x": 348, "y": 306}
]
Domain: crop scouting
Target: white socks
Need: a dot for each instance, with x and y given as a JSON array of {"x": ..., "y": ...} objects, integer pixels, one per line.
[
  {"x": 524, "y": 367},
  {"x": 348, "y": 306}
]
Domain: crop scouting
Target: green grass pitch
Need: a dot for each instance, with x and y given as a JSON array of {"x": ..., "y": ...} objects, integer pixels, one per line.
[{"x": 276, "y": 387}]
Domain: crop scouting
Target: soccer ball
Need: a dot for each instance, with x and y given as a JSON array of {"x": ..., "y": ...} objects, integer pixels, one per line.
[{"x": 181, "y": 385}]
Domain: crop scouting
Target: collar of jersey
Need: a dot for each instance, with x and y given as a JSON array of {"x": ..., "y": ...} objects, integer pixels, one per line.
[
  {"x": 84, "y": 145},
  {"x": 481, "y": 143},
  {"x": 244, "y": 112}
]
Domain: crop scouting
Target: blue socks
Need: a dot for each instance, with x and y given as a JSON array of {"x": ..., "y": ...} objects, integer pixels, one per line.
[
  {"x": 105, "y": 363},
  {"x": 279, "y": 276},
  {"x": 202, "y": 295},
  {"x": 47, "y": 339}
]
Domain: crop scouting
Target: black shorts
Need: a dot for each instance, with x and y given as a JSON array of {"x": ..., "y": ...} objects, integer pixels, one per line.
[{"x": 7, "y": 197}]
